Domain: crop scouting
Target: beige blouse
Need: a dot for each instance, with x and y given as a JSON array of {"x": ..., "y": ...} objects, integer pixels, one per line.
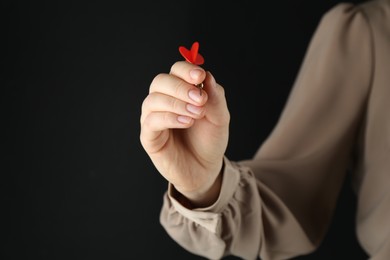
[{"x": 279, "y": 204}]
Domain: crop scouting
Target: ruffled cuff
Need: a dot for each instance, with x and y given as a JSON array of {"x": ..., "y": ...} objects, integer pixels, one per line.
[{"x": 208, "y": 217}]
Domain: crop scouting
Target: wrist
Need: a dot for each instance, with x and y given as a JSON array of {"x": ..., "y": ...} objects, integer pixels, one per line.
[{"x": 204, "y": 198}]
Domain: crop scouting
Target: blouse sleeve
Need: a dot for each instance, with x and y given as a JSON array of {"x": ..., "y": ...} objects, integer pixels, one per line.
[{"x": 279, "y": 204}]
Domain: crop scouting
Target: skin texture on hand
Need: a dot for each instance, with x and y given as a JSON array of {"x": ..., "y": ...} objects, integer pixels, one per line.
[{"x": 184, "y": 133}]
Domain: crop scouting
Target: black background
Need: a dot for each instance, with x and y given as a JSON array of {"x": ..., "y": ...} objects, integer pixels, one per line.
[{"x": 76, "y": 183}]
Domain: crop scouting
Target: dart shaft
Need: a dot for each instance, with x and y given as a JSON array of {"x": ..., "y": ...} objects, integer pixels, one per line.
[{"x": 200, "y": 86}]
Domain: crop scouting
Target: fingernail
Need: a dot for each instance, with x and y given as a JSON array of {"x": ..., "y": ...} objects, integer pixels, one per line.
[
  {"x": 194, "y": 95},
  {"x": 195, "y": 73},
  {"x": 194, "y": 109},
  {"x": 184, "y": 119}
]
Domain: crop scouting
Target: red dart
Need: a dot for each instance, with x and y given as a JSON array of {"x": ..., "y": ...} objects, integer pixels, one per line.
[{"x": 192, "y": 56}]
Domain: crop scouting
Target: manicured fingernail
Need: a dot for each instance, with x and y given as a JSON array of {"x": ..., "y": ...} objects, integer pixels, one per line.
[
  {"x": 184, "y": 119},
  {"x": 194, "y": 95},
  {"x": 195, "y": 73},
  {"x": 194, "y": 109}
]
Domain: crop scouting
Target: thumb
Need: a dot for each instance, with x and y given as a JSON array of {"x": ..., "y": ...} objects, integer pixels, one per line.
[{"x": 216, "y": 107}]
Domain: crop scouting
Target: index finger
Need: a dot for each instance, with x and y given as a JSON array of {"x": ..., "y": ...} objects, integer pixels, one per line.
[{"x": 188, "y": 72}]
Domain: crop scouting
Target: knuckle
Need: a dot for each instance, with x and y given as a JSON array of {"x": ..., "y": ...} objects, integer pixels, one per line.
[
  {"x": 142, "y": 139},
  {"x": 156, "y": 82},
  {"x": 175, "y": 104},
  {"x": 175, "y": 66},
  {"x": 145, "y": 103},
  {"x": 179, "y": 88},
  {"x": 147, "y": 122},
  {"x": 141, "y": 119}
]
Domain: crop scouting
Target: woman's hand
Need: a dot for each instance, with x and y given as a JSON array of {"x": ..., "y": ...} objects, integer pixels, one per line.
[{"x": 185, "y": 133}]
